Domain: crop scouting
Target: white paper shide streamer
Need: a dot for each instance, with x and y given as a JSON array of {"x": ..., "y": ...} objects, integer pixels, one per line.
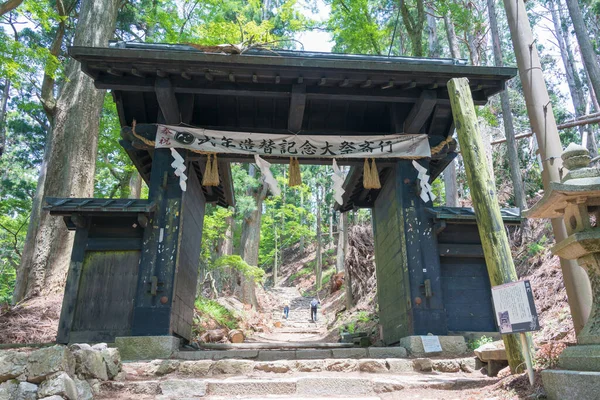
[
  {"x": 338, "y": 183},
  {"x": 179, "y": 165},
  {"x": 264, "y": 167},
  {"x": 426, "y": 193}
]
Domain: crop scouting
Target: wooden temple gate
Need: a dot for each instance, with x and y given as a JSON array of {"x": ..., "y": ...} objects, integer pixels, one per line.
[{"x": 134, "y": 262}]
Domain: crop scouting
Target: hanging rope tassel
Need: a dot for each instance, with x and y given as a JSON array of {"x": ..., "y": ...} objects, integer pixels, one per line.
[
  {"x": 295, "y": 178},
  {"x": 211, "y": 172},
  {"x": 367, "y": 184},
  {"x": 376, "y": 184}
]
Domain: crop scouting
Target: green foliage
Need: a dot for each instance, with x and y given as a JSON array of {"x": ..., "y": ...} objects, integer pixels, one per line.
[
  {"x": 303, "y": 272},
  {"x": 477, "y": 342},
  {"x": 211, "y": 310},
  {"x": 535, "y": 248},
  {"x": 327, "y": 276},
  {"x": 215, "y": 228},
  {"x": 236, "y": 262},
  {"x": 363, "y": 316}
]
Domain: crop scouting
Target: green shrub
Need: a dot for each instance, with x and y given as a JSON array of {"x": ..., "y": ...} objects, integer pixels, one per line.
[
  {"x": 327, "y": 276},
  {"x": 303, "y": 272},
  {"x": 475, "y": 343},
  {"x": 363, "y": 316},
  {"x": 210, "y": 309},
  {"x": 236, "y": 262}
]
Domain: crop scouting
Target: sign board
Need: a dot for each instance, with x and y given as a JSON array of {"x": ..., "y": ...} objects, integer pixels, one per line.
[
  {"x": 514, "y": 307},
  {"x": 410, "y": 146},
  {"x": 431, "y": 344}
]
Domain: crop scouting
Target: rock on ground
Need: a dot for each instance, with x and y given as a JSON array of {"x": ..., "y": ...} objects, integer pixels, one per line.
[
  {"x": 27, "y": 391},
  {"x": 12, "y": 364},
  {"x": 45, "y": 362},
  {"x": 59, "y": 384}
]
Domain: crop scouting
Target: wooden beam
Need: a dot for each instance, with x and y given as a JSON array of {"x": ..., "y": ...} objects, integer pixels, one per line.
[
  {"x": 297, "y": 106},
  {"x": 496, "y": 248},
  {"x": 186, "y": 102},
  {"x": 167, "y": 101},
  {"x": 420, "y": 112}
]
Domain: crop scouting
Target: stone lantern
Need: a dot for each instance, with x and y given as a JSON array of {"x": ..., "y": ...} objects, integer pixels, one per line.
[{"x": 577, "y": 200}]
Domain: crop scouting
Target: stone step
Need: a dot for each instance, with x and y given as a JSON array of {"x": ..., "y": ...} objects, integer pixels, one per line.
[
  {"x": 266, "y": 346},
  {"x": 323, "y": 384},
  {"x": 299, "y": 354}
]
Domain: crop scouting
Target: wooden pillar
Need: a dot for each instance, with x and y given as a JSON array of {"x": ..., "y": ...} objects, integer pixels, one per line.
[
  {"x": 172, "y": 239},
  {"x": 496, "y": 248}
]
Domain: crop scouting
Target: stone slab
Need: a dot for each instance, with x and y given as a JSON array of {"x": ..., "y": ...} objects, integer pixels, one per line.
[
  {"x": 356, "y": 352},
  {"x": 147, "y": 347},
  {"x": 274, "y": 355},
  {"x": 313, "y": 354},
  {"x": 333, "y": 386},
  {"x": 490, "y": 353},
  {"x": 580, "y": 385},
  {"x": 580, "y": 358},
  {"x": 178, "y": 388},
  {"x": 217, "y": 354},
  {"x": 400, "y": 365},
  {"x": 387, "y": 352},
  {"x": 452, "y": 346},
  {"x": 248, "y": 387}
]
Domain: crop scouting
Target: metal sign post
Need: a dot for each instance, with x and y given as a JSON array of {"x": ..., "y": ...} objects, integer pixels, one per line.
[{"x": 515, "y": 313}]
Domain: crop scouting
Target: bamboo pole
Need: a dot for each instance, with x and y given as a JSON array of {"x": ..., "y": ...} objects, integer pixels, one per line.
[{"x": 494, "y": 241}]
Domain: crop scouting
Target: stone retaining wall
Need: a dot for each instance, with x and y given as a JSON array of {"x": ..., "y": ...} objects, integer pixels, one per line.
[{"x": 73, "y": 372}]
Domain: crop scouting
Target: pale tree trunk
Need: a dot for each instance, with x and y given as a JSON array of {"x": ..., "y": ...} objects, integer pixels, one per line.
[
  {"x": 432, "y": 38},
  {"x": 3, "y": 103},
  {"x": 472, "y": 46},
  {"x": 69, "y": 160},
  {"x": 319, "y": 267},
  {"x": 135, "y": 185},
  {"x": 585, "y": 45},
  {"x": 509, "y": 130},
  {"x": 340, "y": 256},
  {"x": 302, "y": 244},
  {"x": 331, "y": 224},
  {"x": 276, "y": 251},
  {"x": 573, "y": 81},
  {"x": 250, "y": 241},
  {"x": 450, "y": 184},
  {"x": 347, "y": 277},
  {"x": 451, "y": 34}
]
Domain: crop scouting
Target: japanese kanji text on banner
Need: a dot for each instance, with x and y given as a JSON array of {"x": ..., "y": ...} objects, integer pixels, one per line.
[{"x": 290, "y": 145}]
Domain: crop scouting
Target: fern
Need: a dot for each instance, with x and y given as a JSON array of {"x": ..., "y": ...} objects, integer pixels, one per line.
[{"x": 236, "y": 262}]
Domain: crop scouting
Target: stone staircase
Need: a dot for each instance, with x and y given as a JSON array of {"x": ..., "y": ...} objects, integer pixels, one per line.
[
  {"x": 289, "y": 379},
  {"x": 298, "y": 327}
]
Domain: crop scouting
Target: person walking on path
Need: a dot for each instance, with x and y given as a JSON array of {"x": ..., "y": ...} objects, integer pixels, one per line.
[
  {"x": 314, "y": 304},
  {"x": 286, "y": 310}
]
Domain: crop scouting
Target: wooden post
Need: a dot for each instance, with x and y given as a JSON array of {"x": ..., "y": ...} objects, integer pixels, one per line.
[
  {"x": 543, "y": 124},
  {"x": 494, "y": 241}
]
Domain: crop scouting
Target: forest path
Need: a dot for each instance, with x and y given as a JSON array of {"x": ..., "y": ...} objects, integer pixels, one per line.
[{"x": 299, "y": 326}]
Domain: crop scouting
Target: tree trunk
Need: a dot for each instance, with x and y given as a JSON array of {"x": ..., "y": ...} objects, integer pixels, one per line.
[
  {"x": 69, "y": 165},
  {"x": 495, "y": 244},
  {"x": 276, "y": 248},
  {"x": 250, "y": 240},
  {"x": 432, "y": 38},
  {"x": 450, "y": 185},
  {"x": 8, "y": 6},
  {"x": 3, "y": 103},
  {"x": 135, "y": 185},
  {"x": 347, "y": 277},
  {"x": 302, "y": 244},
  {"x": 451, "y": 34},
  {"x": 340, "y": 256},
  {"x": 319, "y": 267},
  {"x": 509, "y": 130},
  {"x": 585, "y": 45},
  {"x": 573, "y": 81},
  {"x": 541, "y": 117}
]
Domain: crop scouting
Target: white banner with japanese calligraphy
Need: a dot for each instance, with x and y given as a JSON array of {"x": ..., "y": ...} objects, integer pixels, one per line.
[{"x": 266, "y": 144}]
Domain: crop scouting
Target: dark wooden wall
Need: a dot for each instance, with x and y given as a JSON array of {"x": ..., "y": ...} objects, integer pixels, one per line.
[
  {"x": 102, "y": 278},
  {"x": 465, "y": 280},
  {"x": 186, "y": 275}
]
